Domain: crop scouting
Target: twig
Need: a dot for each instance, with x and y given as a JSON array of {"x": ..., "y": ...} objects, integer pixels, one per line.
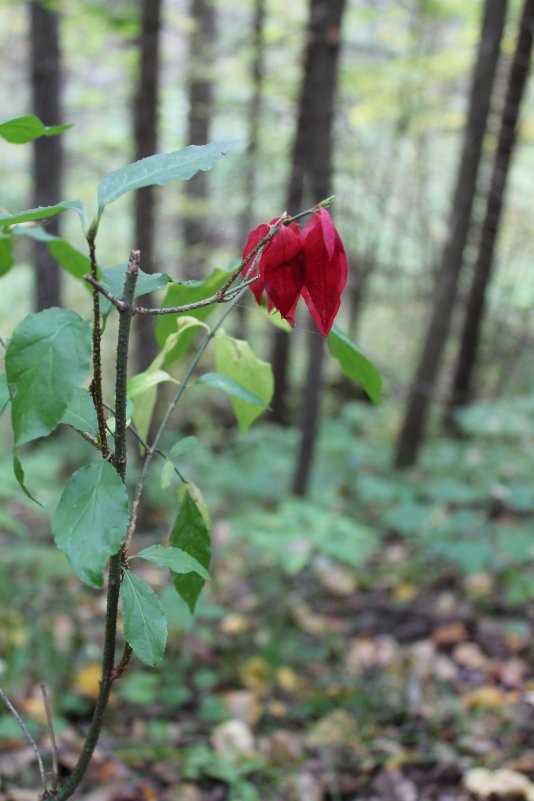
[
  {"x": 221, "y": 295},
  {"x": 153, "y": 448},
  {"x": 121, "y": 306},
  {"x": 3, "y": 342},
  {"x": 28, "y": 736},
  {"x": 133, "y": 430},
  {"x": 123, "y": 664},
  {"x": 52, "y": 735},
  {"x": 96, "y": 384}
]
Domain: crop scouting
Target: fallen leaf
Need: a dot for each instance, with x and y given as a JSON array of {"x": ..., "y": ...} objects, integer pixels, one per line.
[
  {"x": 502, "y": 783},
  {"x": 87, "y": 681},
  {"x": 486, "y": 697},
  {"x": 287, "y": 679},
  {"x": 242, "y": 704},
  {"x": 256, "y": 675},
  {"x": 233, "y": 738},
  {"x": 334, "y": 729},
  {"x": 450, "y": 633},
  {"x": 470, "y": 655}
]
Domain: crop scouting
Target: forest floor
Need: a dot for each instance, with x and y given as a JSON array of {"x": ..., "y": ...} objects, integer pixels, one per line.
[{"x": 402, "y": 672}]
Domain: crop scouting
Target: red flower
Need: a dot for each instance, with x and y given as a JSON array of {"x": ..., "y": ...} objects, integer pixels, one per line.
[
  {"x": 311, "y": 263},
  {"x": 326, "y": 270}
]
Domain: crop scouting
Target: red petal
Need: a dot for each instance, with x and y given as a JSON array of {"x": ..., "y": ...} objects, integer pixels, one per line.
[
  {"x": 283, "y": 270},
  {"x": 329, "y": 231},
  {"x": 326, "y": 270},
  {"x": 254, "y": 238}
]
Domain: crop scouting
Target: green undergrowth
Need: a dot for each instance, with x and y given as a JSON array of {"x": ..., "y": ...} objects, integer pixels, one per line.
[{"x": 461, "y": 519}]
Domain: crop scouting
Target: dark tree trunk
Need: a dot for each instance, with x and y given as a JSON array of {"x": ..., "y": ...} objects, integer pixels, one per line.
[
  {"x": 312, "y": 178},
  {"x": 254, "y": 113},
  {"x": 47, "y": 151},
  {"x": 200, "y": 90},
  {"x": 311, "y": 157},
  {"x": 411, "y": 435},
  {"x": 145, "y": 109},
  {"x": 517, "y": 81}
]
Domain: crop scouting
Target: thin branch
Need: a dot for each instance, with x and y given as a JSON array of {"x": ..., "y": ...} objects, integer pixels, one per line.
[
  {"x": 52, "y": 735},
  {"x": 132, "y": 429},
  {"x": 221, "y": 295},
  {"x": 3, "y": 342},
  {"x": 153, "y": 448},
  {"x": 28, "y": 736},
  {"x": 120, "y": 304},
  {"x": 96, "y": 384}
]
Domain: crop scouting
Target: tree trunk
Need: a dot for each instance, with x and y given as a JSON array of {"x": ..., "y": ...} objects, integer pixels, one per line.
[
  {"x": 517, "y": 81},
  {"x": 311, "y": 178},
  {"x": 200, "y": 89},
  {"x": 254, "y": 118},
  {"x": 145, "y": 122},
  {"x": 47, "y": 150},
  {"x": 411, "y": 435},
  {"x": 311, "y": 157}
]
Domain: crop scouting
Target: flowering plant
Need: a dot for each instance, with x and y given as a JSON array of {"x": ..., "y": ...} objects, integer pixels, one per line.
[{"x": 309, "y": 263}]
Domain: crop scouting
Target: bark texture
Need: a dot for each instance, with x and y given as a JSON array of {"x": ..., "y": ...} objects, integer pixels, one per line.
[
  {"x": 476, "y": 305},
  {"x": 145, "y": 123},
  {"x": 311, "y": 178},
  {"x": 47, "y": 150},
  {"x": 423, "y": 387},
  {"x": 200, "y": 90}
]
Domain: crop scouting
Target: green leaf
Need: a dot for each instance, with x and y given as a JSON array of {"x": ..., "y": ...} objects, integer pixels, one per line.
[
  {"x": 167, "y": 475},
  {"x": 20, "y": 130},
  {"x": 80, "y": 413},
  {"x": 175, "y": 559},
  {"x": 142, "y": 382},
  {"x": 142, "y": 390},
  {"x": 232, "y": 388},
  {"x": 68, "y": 257},
  {"x": 179, "y": 341},
  {"x": 190, "y": 534},
  {"x": 145, "y": 398},
  {"x": 4, "y": 393},
  {"x": 19, "y": 475},
  {"x": 91, "y": 520},
  {"x": 235, "y": 359},
  {"x": 145, "y": 624},
  {"x": 6, "y": 253},
  {"x": 41, "y": 212},
  {"x": 354, "y": 364},
  {"x": 47, "y": 358},
  {"x": 113, "y": 280},
  {"x": 182, "y": 446},
  {"x": 180, "y": 295},
  {"x": 179, "y": 165}
]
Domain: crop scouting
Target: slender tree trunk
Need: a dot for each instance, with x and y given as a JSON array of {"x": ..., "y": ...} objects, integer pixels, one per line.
[
  {"x": 254, "y": 115},
  {"x": 312, "y": 178},
  {"x": 200, "y": 89},
  {"x": 145, "y": 109},
  {"x": 412, "y": 431},
  {"x": 311, "y": 157},
  {"x": 47, "y": 150},
  {"x": 517, "y": 81}
]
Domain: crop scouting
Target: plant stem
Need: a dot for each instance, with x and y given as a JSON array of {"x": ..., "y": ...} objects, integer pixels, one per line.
[
  {"x": 154, "y": 447},
  {"x": 96, "y": 385},
  {"x": 28, "y": 736},
  {"x": 221, "y": 295},
  {"x": 116, "y": 562}
]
